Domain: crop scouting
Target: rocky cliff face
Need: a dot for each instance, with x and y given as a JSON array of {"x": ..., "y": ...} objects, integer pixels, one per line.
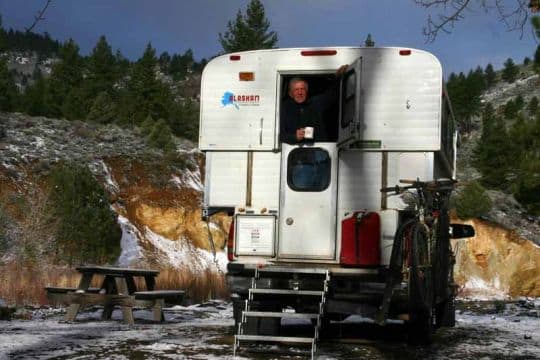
[{"x": 497, "y": 262}]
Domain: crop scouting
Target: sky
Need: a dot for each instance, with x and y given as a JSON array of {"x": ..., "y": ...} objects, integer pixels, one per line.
[{"x": 177, "y": 25}]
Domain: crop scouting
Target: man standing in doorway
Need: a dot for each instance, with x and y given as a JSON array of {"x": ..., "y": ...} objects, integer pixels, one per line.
[{"x": 299, "y": 112}]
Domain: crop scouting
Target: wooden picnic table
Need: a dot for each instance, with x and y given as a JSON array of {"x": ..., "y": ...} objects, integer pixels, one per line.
[{"x": 118, "y": 288}]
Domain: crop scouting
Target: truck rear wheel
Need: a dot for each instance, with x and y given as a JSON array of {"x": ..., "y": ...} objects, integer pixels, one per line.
[{"x": 445, "y": 313}]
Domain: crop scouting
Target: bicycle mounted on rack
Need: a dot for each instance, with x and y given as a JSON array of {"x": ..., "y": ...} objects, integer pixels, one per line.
[{"x": 422, "y": 256}]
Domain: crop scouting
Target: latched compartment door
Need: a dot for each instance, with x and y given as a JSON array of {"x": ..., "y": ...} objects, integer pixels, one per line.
[
  {"x": 350, "y": 122},
  {"x": 255, "y": 235}
]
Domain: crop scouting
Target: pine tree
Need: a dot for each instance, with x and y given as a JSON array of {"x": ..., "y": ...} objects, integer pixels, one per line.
[
  {"x": 2, "y": 36},
  {"x": 465, "y": 93},
  {"x": 493, "y": 153},
  {"x": 9, "y": 95},
  {"x": 510, "y": 71},
  {"x": 526, "y": 163},
  {"x": 490, "y": 76},
  {"x": 249, "y": 31},
  {"x": 123, "y": 64},
  {"x": 88, "y": 230},
  {"x": 145, "y": 95},
  {"x": 34, "y": 96},
  {"x": 65, "y": 78},
  {"x": 74, "y": 106},
  {"x": 510, "y": 109},
  {"x": 184, "y": 120},
  {"x": 181, "y": 64},
  {"x": 103, "y": 109},
  {"x": 519, "y": 102},
  {"x": 369, "y": 42},
  {"x": 164, "y": 62},
  {"x": 536, "y": 63},
  {"x": 102, "y": 71}
]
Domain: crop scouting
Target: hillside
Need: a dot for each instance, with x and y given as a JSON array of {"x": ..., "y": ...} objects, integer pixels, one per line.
[
  {"x": 157, "y": 196},
  {"x": 506, "y": 210}
]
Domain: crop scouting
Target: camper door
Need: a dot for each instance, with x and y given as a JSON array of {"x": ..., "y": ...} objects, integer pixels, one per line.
[
  {"x": 350, "y": 126},
  {"x": 307, "y": 216}
]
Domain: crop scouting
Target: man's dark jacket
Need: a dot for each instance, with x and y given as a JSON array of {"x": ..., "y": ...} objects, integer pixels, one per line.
[{"x": 309, "y": 113}]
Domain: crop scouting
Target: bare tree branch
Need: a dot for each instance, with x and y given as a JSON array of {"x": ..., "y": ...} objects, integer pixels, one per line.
[
  {"x": 39, "y": 16},
  {"x": 514, "y": 16}
]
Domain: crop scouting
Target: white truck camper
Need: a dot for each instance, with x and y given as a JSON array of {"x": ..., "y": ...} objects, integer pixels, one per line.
[{"x": 348, "y": 240}]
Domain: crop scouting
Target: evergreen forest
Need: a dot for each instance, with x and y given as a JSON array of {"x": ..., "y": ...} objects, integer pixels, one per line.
[{"x": 103, "y": 87}]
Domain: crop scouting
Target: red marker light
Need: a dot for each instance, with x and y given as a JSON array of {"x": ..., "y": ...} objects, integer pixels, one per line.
[
  {"x": 404, "y": 52},
  {"x": 234, "y": 57},
  {"x": 318, "y": 52}
]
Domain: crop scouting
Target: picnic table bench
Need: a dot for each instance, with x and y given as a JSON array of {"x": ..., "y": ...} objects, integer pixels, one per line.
[{"x": 118, "y": 288}]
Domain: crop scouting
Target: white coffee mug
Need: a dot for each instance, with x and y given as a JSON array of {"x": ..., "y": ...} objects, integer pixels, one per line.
[{"x": 308, "y": 132}]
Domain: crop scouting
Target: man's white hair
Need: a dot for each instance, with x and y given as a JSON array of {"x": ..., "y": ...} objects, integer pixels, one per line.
[{"x": 294, "y": 80}]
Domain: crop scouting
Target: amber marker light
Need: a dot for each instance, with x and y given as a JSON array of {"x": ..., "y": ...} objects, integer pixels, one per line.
[{"x": 246, "y": 76}]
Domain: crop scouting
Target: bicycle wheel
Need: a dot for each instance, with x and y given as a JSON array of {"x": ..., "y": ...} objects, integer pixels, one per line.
[{"x": 420, "y": 324}]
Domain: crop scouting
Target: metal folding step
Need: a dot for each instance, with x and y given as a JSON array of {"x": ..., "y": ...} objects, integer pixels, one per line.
[
  {"x": 286, "y": 292},
  {"x": 283, "y": 314},
  {"x": 276, "y": 296}
]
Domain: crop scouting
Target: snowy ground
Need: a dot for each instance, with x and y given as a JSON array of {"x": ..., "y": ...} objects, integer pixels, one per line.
[{"x": 484, "y": 331}]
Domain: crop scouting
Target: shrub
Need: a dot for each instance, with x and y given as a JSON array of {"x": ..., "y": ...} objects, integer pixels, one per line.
[
  {"x": 472, "y": 201},
  {"x": 103, "y": 109},
  {"x": 87, "y": 227},
  {"x": 533, "y": 105},
  {"x": 161, "y": 136}
]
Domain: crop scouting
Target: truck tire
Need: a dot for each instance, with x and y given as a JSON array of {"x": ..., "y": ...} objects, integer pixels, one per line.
[{"x": 445, "y": 313}]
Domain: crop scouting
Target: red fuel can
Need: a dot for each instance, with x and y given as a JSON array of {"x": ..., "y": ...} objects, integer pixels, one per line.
[{"x": 360, "y": 239}]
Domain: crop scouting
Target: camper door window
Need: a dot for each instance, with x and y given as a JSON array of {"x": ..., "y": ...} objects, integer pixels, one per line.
[{"x": 308, "y": 169}]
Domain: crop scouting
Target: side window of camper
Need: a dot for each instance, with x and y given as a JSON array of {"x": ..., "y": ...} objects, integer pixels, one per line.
[
  {"x": 308, "y": 169},
  {"x": 349, "y": 103}
]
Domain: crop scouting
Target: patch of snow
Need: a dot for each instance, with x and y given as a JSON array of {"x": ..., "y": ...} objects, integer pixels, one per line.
[
  {"x": 8, "y": 165},
  {"x": 39, "y": 142},
  {"x": 176, "y": 181},
  {"x": 181, "y": 253},
  {"x": 193, "y": 179},
  {"x": 478, "y": 289},
  {"x": 131, "y": 251},
  {"x": 13, "y": 148},
  {"x": 22, "y": 60},
  {"x": 110, "y": 183},
  {"x": 214, "y": 226}
]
